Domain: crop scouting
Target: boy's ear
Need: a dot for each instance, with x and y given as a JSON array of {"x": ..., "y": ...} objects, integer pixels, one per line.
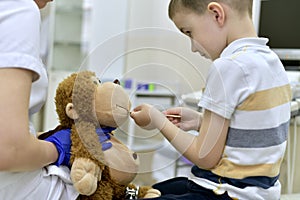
[
  {"x": 71, "y": 112},
  {"x": 218, "y": 12}
]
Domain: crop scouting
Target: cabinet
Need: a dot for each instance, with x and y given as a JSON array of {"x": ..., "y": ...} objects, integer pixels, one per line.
[
  {"x": 69, "y": 44},
  {"x": 67, "y": 48}
]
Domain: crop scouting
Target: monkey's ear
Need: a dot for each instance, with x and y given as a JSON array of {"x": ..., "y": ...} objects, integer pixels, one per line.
[{"x": 71, "y": 112}]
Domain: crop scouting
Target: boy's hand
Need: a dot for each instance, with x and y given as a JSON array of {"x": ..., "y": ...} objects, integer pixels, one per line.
[
  {"x": 148, "y": 117},
  {"x": 184, "y": 118}
]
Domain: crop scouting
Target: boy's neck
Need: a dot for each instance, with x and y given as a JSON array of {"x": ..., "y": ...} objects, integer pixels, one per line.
[{"x": 240, "y": 28}]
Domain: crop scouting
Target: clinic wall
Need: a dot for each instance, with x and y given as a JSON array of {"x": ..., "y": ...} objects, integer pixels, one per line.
[
  {"x": 159, "y": 52},
  {"x": 125, "y": 44},
  {"x": 107, "y": 24}
]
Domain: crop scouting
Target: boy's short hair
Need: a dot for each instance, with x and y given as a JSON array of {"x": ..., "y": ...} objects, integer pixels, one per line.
[{"x": 199, "y": 6}]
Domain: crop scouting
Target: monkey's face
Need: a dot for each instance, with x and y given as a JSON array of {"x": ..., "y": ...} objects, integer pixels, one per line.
[{"x": 112, "y": 104}]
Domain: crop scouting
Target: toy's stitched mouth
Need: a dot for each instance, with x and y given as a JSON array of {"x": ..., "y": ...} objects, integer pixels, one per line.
[{"x": 118, "y": 106}]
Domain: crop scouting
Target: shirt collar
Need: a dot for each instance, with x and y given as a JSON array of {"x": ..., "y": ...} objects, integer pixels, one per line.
[{"x": 240, "y": 43}]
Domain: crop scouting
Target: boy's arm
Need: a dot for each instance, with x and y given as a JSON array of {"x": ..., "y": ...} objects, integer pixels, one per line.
[{"x": 204, "y": 150}]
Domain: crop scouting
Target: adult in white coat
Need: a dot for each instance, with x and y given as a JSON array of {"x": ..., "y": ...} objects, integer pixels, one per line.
[{"x": 25, "y": 170}]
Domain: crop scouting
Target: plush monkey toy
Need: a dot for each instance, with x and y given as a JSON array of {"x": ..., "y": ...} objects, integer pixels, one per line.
[{"x": 84, "y": 104}]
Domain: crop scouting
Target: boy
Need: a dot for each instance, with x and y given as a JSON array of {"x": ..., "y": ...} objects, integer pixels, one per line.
[{"x": 246, "y": 102}]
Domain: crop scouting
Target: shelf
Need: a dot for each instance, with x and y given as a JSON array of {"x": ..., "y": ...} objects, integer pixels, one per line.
[
  {"x": 68, "y": 28},
  {"x": 67, "y": 4},
  {"x": 70, "y": 10},
  {"x": 67, "y": 41},
  {"x": 67, "y": 57}
]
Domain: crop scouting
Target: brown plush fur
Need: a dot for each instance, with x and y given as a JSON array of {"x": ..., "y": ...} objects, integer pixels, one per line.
[{"x": 90, "y": 170}]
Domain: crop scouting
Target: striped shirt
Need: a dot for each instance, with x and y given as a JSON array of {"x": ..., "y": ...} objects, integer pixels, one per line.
[{"x": 248, "y": 85}]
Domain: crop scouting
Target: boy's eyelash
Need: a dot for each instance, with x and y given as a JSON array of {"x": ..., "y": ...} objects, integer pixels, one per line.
[{"x": 188, "y": 33}]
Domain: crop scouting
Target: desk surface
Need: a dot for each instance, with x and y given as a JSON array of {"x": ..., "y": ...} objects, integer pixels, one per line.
[{"x": 295, "y": 108}]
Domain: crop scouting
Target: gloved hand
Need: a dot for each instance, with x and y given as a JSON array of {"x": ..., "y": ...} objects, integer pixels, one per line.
[
  {"x": 62, "y": 140},
  {"x": 104, "y": 136}
]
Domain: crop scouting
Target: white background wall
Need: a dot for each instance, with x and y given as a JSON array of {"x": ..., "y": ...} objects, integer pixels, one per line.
[
  {"x": 140, "y": 41},
  {"x": 255, "y": 13},
  {"x": 108, "y": 21}
]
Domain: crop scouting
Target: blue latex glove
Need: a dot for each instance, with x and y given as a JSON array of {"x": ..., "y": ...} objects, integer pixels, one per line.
[
  {"x": 62, "y": 140},
  {"x": 104, "y": 136}
]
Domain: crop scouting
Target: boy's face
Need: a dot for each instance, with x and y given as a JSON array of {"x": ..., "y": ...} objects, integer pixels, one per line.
[{"x": 206, "y": 36}]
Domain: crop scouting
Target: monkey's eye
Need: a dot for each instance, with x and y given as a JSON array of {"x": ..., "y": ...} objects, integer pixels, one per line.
[{"x": 96, "y": 81}]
